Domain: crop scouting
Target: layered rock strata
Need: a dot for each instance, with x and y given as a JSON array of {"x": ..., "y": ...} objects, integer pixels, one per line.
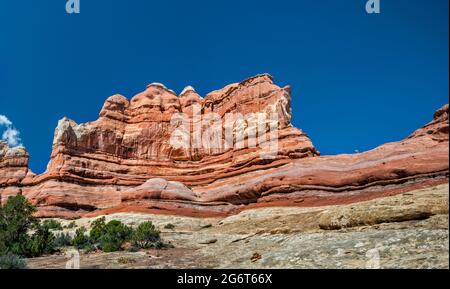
[{"x": 130, "y": 158}]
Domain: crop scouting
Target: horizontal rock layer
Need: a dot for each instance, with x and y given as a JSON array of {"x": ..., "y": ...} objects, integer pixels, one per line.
[{"x": 126, "y": 160}]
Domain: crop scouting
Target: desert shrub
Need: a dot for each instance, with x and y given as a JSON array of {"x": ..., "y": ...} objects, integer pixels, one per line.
[
  {"x": 52, "y": 224},
  {"x": 169, "y": 226},
  {"x": 41, "y": 242},
  {"x": 115, "y": 234},
  {"x": 146, "y": 236},
  {"x": 80, "y": 240},
  {"x": 11, "y": 261},
  {"x": 108, "y": 237},
  {"x": 20, "y": 232},
  {"x": 71, "y": 225},
  {"x": 16, "y": 219},
  {"x": 62, "y": 240},
  {"x": 89, "y": 247},
  {"x": 98, "y": 229}
]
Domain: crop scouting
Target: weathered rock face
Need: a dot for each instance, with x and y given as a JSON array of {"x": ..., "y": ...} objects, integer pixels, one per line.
[
  {"x": 131, "y": 141},
  {"x": 159, "y": 189},
  {"x": 13, "y": 169},
  {"x": 437, "y": 129},
  {"x": 13, "y": 164},
  {"x": 213, "y": 155}
]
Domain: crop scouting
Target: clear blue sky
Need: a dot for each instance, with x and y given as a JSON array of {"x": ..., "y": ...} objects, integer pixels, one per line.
[{"x": 357, "y": 80}]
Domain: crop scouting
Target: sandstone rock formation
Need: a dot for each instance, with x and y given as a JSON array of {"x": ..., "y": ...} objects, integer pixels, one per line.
[
  {"x": 13, "y": 169},
  {"x": 126, "y": 160}
]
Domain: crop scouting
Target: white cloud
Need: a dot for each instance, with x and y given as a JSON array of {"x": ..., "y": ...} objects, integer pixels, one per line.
[
  {"x": 5, "y": 121},
  {"x": 11, "y": 135}
]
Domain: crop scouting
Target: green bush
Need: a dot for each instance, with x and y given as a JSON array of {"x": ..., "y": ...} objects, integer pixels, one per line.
[
  {"x": 98, "y": 229},
  {"x": 16, "y": 219},
  {"x": 11, "y": 261},
  {"x": 52, "y": 224},
  {"x": 62, "y": 240},
  {"x": 89, "y": 247},
  {"x": 147, "y": 236},
  {"x": 22, "y": 235},
  {"x": 42, "y": 241},
  {"x": 169, "y": 226},
  {"x": 109, "y": 237},
  {"x": 16, "y": 225},
  {"x": 115, "y": 234},
  {"x": 80, "y": 240},
  {"x": 71, "y": 225}
]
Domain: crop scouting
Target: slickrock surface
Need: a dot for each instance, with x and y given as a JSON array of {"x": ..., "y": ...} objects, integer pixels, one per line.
[
  {"x": 125, "y": 160},
  {"x": 408, "y": 230}
]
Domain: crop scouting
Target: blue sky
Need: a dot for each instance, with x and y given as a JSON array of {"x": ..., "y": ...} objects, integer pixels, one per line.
[{"x": 358, "y": 80}]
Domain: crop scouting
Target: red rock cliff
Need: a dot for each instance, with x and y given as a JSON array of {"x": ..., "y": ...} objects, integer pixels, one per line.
[{"x": 126, "y": 159}]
